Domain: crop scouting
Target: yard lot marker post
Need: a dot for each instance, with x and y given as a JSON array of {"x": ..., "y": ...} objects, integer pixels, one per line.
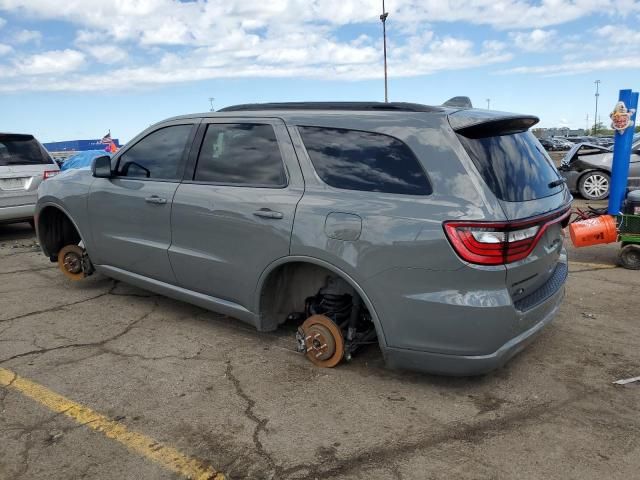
[{"x": 622, "y": 155}]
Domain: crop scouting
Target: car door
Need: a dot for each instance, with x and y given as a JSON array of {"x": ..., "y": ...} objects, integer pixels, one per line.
[
  {"x": 234, "y": 215},
  {"x": 130, "y": 213}
]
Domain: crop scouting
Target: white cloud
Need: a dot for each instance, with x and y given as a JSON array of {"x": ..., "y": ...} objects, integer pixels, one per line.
[
  {"x": 511, "y": 14},
  {"x": 174, "y": 41},
  {"x": 203, "y": 23},
  {"x": 87, "y": 36},
  {"x": 572, "y": 68},
  {"x": 619, "y": 35},
  {"x": 5, "y": 49},
  {"x": 46, "y": 63},
  {"x": 26, "y": 36},
  {"x": 536, "y": 40},
  {"x": 107, "y": 54},
  {"x": 316, "y": 57}
]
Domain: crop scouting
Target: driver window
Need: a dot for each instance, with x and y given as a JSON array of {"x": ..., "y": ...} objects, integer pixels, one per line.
[{"x": 156, "y": 156}]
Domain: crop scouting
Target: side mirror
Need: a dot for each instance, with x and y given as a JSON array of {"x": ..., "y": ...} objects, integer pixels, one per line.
[{"x": 101, "y": 167}]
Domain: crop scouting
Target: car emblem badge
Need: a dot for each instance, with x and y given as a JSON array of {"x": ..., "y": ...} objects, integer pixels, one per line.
[{"x": 621, "y": 117}]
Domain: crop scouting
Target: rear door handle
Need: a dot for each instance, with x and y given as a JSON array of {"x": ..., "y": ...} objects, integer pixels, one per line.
[
  {"x": 156, "y": 199},
  {"x": 268, "y": 213}
]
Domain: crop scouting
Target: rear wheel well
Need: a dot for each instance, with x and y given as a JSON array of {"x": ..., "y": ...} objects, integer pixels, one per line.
[
  {"x": 55, "y": 230},
  {"x": 286, "y": 288}
]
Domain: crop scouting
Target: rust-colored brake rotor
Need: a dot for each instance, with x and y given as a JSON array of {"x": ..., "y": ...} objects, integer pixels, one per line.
[
  {"x": 324, "y": 341},
  {"x": 70, "y": 262}
]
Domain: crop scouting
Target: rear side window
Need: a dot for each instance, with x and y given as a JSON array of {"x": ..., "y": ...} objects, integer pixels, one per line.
[
  {"x": 156, "y": 156},
  {"x": 241, "y": 154},
  {"x": 356, "y": 160},
  {"x": 21, "y": 150},
  {"x": 515, "y": 167}
]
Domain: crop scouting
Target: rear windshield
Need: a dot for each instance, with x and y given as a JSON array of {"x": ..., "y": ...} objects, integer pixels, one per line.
[
  {"x": 515, "y": 167},
  {"x": 21, "y": 150}
]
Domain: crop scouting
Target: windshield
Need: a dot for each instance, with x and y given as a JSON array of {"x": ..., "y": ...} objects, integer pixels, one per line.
[
  {"x": 515, "y": 167},
  {"x": 21, "y": 150}
]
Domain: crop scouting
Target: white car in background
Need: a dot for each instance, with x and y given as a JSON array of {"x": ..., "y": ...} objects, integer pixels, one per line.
[{"x": 24, "y": 164}]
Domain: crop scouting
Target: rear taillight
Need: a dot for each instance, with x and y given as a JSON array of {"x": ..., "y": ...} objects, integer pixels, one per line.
[
  {"x": 498, "y": 243},
  {"x": 49, "y": 174}
]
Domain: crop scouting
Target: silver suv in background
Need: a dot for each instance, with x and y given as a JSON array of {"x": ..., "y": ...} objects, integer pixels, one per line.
[
  {"x": 434, "y": 231},
  {"x": 24, "y": 164}
]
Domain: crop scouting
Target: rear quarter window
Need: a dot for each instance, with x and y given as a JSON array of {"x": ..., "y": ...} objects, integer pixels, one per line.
[
  {"x": 365, "y": 161},
  {"x": 515, "y": 167}
]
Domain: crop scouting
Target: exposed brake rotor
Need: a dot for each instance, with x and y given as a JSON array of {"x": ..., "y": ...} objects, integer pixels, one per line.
[
  {"x": 70, "y": 261},
  {"x": 323, "y": 341}
]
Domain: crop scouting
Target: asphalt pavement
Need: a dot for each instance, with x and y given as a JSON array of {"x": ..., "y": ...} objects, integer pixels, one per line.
[{"x": 102, "y": 380}]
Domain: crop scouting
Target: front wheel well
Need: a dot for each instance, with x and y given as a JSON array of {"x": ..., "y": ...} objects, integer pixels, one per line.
[
  {"x": 593, "y": 170},
  {"x": 55, "y": 230}
]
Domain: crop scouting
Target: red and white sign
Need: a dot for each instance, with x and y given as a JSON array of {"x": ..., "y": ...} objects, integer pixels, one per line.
[{"x": 621, "y": 117}]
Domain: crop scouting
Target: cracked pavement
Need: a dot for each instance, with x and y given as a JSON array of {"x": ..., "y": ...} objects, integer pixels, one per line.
[{"x": 247, "y": 404}]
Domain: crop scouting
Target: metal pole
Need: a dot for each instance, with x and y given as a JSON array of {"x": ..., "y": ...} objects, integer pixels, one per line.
[
  {"x": 621, "y": 156},
  {"x": 383, "y": 19},
  {"x": 211, "y": 99},
  {"x": 595, "y": 118},
  {"x": 488, "y": 104}
]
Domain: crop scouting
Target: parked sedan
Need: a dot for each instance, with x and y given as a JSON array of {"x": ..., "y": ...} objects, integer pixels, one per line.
[
  {"x": 548, "y": 144},
  {"x": 587, "y": 169},
  {"x": 24, "y": 164},
  {"x": 562, "y": 143}
]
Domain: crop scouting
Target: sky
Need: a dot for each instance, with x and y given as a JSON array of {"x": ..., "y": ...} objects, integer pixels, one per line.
[{"x": 75, "y": 69}]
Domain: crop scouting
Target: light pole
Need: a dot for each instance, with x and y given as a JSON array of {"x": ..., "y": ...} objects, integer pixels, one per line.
[
  {"x": 383, "y": 19},
  {"x": 488, "y": 104},
  {"x": 595, "y": 118},
  {"x": 211, "y": 99},
  {"x": 587, "y": 129}
]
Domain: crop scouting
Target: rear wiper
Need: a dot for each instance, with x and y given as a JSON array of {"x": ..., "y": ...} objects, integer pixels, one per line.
[{"x": 557, "y": 183}]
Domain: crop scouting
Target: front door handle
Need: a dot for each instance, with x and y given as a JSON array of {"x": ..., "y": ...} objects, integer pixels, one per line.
[
  {"x": 268, "y": 213},
  {"x": 156, "y": 199}
]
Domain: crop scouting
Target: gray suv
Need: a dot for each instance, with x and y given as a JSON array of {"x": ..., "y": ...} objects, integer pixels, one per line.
[{"x": 435, "y": 232}]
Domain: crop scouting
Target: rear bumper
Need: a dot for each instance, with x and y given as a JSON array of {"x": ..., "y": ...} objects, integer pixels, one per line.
[
  {"x": 468, "y": 365},
  {"x": 17, "y": 213}
]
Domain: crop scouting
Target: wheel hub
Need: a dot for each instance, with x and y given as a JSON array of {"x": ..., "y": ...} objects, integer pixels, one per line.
[
  {"x": 596, "y": 185},
  {"x": 70, "y": 261},
  {"x": 322, "y": 341}
]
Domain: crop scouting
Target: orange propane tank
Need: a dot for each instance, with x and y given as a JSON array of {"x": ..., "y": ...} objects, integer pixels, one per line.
[{"x": 593, "y": 231}]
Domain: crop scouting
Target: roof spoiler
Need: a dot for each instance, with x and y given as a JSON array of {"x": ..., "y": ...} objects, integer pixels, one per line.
[
  {"x": 497, "y": 126},
  {"x": 459, "y": 102}
]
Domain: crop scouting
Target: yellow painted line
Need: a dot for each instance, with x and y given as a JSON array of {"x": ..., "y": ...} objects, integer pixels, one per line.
[
  {"x": 167, "y": 456},
  {"x": 592, "y": 265}
]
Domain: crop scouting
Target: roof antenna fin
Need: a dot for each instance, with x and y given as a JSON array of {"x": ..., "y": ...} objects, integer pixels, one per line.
[{"x": 461, "y": 102}]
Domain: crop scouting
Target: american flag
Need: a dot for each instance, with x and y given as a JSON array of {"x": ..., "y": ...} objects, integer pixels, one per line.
[{"x": 107, "y": 138}]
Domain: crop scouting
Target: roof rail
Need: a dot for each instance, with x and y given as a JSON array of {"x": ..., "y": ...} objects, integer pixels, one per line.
[{"x": 362, "y": 106}]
